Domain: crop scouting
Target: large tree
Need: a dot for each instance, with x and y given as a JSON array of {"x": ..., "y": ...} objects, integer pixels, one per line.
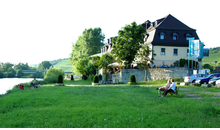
[
  {"x": 144, "y": 58},
  {"x": 44, "y": 65},
  {"x": 129, "y": 41},
  {"x": 88, "y": 44}
]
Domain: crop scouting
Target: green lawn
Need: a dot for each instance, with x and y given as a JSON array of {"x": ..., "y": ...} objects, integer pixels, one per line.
[{"x": 78, "y": 104}]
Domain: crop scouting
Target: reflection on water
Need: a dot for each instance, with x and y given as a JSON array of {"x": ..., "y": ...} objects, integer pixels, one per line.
[{"x": 9, "y": 83}]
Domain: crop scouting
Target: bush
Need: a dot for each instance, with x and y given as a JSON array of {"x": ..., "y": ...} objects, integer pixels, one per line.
[
  {"x": 60, "y": 79},
  {"x": 51, "y": 79},
  {"x": 95, "y": 79},
  {"x": 100, "y": 77},
  {"x": 84, "y": 77},
  {"x": 52, "y": 74},
  {"x": 132, "y": 79},
  {"x": 72, "y": 78}
]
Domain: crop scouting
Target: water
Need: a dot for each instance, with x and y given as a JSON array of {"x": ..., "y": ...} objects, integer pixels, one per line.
[{"x": 8, "y": 83}]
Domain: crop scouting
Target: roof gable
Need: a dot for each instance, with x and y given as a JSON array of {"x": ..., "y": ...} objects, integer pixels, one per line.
[{"x": 170, "y": 22}]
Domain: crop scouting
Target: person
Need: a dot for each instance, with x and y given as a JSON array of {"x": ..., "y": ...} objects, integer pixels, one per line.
[
  {"x": 21, "y": 86},
  {"x": 167, "y": 85},
  {"x": 35, "y": 82},
  {"x": 172, "y": 88}
]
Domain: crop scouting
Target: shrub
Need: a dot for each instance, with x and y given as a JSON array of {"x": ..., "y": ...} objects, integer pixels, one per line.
[
  {"x": 132, "y": 79},
  {"x": 51, "y": 79},
  {"x": 72, "y": 78},
  {"x": 52, "y": 74},
  {"x": 95, "y": 79},
  {"x": 60, "y": 79},
  {"x": 100, "y": 77}
]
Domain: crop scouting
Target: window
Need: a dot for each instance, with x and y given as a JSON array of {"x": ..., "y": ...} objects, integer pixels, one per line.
[
  {"x": 162, "y": 35},
  {"x": 175, "y": 36},
  {"x": 187, "y": 52},
  {"x": 163, "y": 51},
  {"x": 188, "y": 36},
  {"x": 175, "y": 52}
]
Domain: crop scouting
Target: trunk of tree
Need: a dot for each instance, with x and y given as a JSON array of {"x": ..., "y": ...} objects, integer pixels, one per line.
[{"x": 145, "y": 77}]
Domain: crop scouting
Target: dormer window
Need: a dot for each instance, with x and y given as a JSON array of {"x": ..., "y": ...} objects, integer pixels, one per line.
[
  {"x": 162, "y": 35},
  {"x": 175, "y": 36},
  {"x": 188, "y": 36}
]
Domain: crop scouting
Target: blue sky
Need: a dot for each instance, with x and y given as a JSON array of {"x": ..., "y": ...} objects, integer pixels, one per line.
[{"x": 32, "y": 31}]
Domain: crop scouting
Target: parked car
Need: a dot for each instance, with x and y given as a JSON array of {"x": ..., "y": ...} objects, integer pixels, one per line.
[
  {"x": 217, "y": 82},
  {"x": 193, "y": 78},
  {"x": 213, "y": 81},
  {"x": 206, "y": 79}
]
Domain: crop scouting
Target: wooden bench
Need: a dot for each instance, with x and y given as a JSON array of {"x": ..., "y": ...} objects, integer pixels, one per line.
[{"x": 176, "y": 91}]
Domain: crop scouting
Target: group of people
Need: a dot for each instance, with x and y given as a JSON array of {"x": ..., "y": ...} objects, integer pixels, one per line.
[
  {"x": 169, "y": 87},
  {"x": 34, "y": 83}
]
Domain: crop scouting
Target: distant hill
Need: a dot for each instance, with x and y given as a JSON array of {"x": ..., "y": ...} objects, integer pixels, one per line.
[
  {"x": 214, "y": 55},
  {"x": 64, "y": 64}
]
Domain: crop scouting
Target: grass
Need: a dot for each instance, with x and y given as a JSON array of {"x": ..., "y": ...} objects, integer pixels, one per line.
[{"x": 80, "y": 105}]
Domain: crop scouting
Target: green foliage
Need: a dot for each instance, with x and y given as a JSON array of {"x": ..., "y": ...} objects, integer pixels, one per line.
[
  {"x": 143, "y": 58},
  {"x": 100, "y": 77},
  {"x": 132, "y": 79},
  {"x": 129, "y": 41},
  {"x": 52, "y": 74},
  {"x": 19, "y": 73},
  {"x": 81, "y": 65},
  {"x": 95, "y": 79},
  {"x": 88, "y": 44},
  {"x": 208, "y": 66},
  {"x": 218, "y": 64},
  {"x": 184, "y": 62},
  {"x": 60, "y": 79},
  {"x": 44, "y": 65},
  {"x": 21, "y": 66},
  {"x": 105, "y": 60},
  {"x": 37, "y": 74}
]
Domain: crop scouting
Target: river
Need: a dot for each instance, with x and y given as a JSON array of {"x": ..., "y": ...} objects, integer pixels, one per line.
[{"x": 8, "y": 83}]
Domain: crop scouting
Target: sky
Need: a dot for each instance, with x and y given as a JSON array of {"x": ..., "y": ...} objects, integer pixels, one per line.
[{"x": 32, "y": 31}]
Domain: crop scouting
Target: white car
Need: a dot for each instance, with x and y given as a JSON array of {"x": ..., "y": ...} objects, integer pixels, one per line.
[
  {"x": 217, "y": 82},
  {"x": 193, "y": 78}
]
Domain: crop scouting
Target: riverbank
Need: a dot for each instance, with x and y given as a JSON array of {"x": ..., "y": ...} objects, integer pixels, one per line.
[
  {"x": 78, "y": 104},
  {"x": 8, "y": 83}
]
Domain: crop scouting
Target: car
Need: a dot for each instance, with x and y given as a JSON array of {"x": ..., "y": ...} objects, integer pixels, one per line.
[
  {"x": 213, "y": 81},
  {"x": 193, "y": 78},
  {"x": 217, "y": 82},
  {"x": 206, "y": 79}
]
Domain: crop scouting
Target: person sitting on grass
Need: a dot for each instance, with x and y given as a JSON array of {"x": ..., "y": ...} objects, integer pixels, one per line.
[
  {"x": 21, "y": 86},
  {"x": 172, "y": 88},
  {"x": 164, "y": 87}
]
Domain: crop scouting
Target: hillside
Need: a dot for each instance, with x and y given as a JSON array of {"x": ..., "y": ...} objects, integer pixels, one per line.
[
  {"x": 214, "y": 55},
  {"x": 64, "y": 65}
]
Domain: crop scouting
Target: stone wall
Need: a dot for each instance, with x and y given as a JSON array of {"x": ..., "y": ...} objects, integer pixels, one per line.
[{"x": 152, "y": 74}]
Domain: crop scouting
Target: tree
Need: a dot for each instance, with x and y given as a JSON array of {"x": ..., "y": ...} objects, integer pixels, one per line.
[
  {"x": 81, "y": 65},
  {"x": 88, "y": 44},
  {"x": 218, "y": 64},
  {"x": 6, "y": 66},
  {"x": 44, "y": 65},
  {"x": 21, "y": 66},
  {"x": 19, "y": 73},
  {"x": 129, "y": 41},
  {"x": 104, "y": 61},
  {"x": 143, "y": 58}
]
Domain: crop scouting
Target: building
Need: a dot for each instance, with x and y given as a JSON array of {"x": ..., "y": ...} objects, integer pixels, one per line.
[{"x": 169, "y": 39}]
